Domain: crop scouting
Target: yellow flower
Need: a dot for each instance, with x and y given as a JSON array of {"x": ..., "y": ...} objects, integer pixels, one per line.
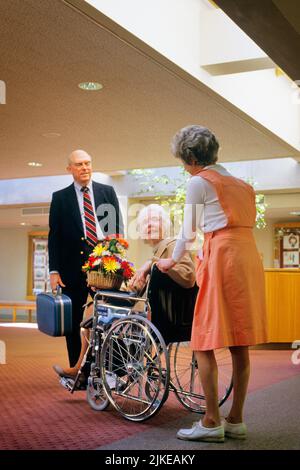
[
  {"x": 110, "y": 265},
  {"x": 85, "y": 267},
  {"x": 97, "y": 251}
]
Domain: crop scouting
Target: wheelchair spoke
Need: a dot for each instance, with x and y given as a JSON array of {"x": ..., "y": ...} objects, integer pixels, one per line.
[{"x": 134, "y": 352}]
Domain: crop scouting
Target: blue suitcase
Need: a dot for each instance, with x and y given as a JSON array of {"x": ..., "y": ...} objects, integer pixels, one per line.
[{"x": 54, "y": 313}]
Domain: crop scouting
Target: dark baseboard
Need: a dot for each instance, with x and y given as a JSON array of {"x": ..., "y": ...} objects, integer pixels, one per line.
[{"x": 274, "y": 346}]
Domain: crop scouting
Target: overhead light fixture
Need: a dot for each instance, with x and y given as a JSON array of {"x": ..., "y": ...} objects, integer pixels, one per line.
[
  {"x": 115, "y": 173},
  {"x": 51, "y": 135},
  {"x": 90, "y": 86},
  {"x": 213, "y": 4},
  {"x": 279, "y": 73},
  {"x": 295, "y": 213},
  {"x": 36, "y": 164}
]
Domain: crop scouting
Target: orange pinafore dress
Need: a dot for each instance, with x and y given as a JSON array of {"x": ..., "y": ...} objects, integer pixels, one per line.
[{"x": 230, "y": 307}]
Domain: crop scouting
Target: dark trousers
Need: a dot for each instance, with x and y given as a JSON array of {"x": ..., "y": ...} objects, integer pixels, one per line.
[
  {"x": 78, "y": 297},
  {"x": 77, "y": 291}
]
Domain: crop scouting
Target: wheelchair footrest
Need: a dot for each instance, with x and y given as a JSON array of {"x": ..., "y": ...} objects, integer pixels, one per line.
[{"x": 67, "y": 383}]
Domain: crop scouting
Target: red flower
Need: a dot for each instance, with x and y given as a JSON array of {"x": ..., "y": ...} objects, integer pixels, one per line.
[
  {"x": 127, "y": 269},
  {"x": 127, "y": 273},
  {"x": 91, "y": 260}
]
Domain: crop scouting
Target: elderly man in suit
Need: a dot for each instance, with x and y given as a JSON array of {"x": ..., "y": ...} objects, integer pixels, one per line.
[{"x": 80, "y": 215}]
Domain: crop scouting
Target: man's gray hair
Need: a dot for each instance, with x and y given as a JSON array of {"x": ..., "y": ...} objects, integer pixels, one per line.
[{"x": 195, "y": 144}]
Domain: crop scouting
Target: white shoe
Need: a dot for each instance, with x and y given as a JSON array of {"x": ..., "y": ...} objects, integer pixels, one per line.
[
  {"x": 200, "y": 433},
  {"x": 111, "y": 380},
  {"x": 235, "y": 431}
]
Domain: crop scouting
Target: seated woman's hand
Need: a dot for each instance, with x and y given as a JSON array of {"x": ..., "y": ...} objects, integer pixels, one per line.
[{"x": 138, "y": 281}]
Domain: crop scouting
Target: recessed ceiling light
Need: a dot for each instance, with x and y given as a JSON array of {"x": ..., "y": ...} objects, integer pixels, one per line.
[
  {"x": 115, "y": 173},
  {"x": 295, "y": 213},
  {"x": 90, "y": 86},
  {"x": 34, "y": 164},
  {"x": 24, "y": 223},
  {"x": 51, "y": 135}
]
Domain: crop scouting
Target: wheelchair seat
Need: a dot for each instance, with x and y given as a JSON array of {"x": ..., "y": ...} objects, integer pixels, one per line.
[{"x": 172, "y": 307}]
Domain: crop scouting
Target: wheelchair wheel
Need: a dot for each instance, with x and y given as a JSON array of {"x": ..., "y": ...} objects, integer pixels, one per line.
[
  {"x": 135, "y": 353},
  {"x": 95, "y": 394},
  {"x": 185, "y": 376}
]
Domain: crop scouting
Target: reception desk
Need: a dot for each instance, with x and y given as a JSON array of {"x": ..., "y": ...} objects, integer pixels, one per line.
[{"x": 283, "y": 304}]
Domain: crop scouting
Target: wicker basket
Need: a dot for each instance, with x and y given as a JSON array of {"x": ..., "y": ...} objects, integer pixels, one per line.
[{"x": 109, "y": 281}]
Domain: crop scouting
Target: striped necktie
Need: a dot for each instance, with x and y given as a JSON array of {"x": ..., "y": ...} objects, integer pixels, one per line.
[{"x": 89, "y": 217}]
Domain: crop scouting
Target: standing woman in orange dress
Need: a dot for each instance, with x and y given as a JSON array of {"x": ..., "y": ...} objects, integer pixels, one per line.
[{"x": 230, "y": 307}]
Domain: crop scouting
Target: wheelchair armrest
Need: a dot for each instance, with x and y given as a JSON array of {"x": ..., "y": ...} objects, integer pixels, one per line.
[{"x": 87, "y": 323}]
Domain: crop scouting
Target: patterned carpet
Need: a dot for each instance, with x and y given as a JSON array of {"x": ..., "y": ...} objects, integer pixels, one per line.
[{"x": 37, "y": 413}]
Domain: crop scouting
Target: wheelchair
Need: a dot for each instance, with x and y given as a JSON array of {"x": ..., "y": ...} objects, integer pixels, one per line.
[{"x": 136, "y": 357}]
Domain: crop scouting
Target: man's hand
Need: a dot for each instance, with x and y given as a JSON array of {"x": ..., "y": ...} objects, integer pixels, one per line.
[
  {"x": 55, "y": 280},
  {"x": 165, "y": 264}
]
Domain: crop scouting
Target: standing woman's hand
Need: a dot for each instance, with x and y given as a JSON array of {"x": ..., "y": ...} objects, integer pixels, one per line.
[{"x": 165, "y": 264}]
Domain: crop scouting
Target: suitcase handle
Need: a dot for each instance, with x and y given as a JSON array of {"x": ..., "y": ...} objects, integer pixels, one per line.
[{"x": 58, "y": 291}]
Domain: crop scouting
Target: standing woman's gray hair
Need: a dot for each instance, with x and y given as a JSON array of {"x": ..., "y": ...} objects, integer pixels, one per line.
[{"x": 195, "y": 144}]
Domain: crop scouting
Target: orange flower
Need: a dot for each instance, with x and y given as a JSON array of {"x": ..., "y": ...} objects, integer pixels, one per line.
[{"x": 123, "y": 242}]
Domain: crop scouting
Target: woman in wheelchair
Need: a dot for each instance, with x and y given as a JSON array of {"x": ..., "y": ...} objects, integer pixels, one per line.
[{"x": 153, "y": 225}]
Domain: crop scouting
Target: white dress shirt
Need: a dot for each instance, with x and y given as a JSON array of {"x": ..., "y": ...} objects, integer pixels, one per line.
[{"x": 202, "y": 210}]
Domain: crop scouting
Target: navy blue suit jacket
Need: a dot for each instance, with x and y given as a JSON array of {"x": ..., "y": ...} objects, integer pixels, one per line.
[{"x": 68, "y": 249}]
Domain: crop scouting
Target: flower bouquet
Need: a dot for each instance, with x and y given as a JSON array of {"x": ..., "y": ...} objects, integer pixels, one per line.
[{"x": 107, "y": 266}]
